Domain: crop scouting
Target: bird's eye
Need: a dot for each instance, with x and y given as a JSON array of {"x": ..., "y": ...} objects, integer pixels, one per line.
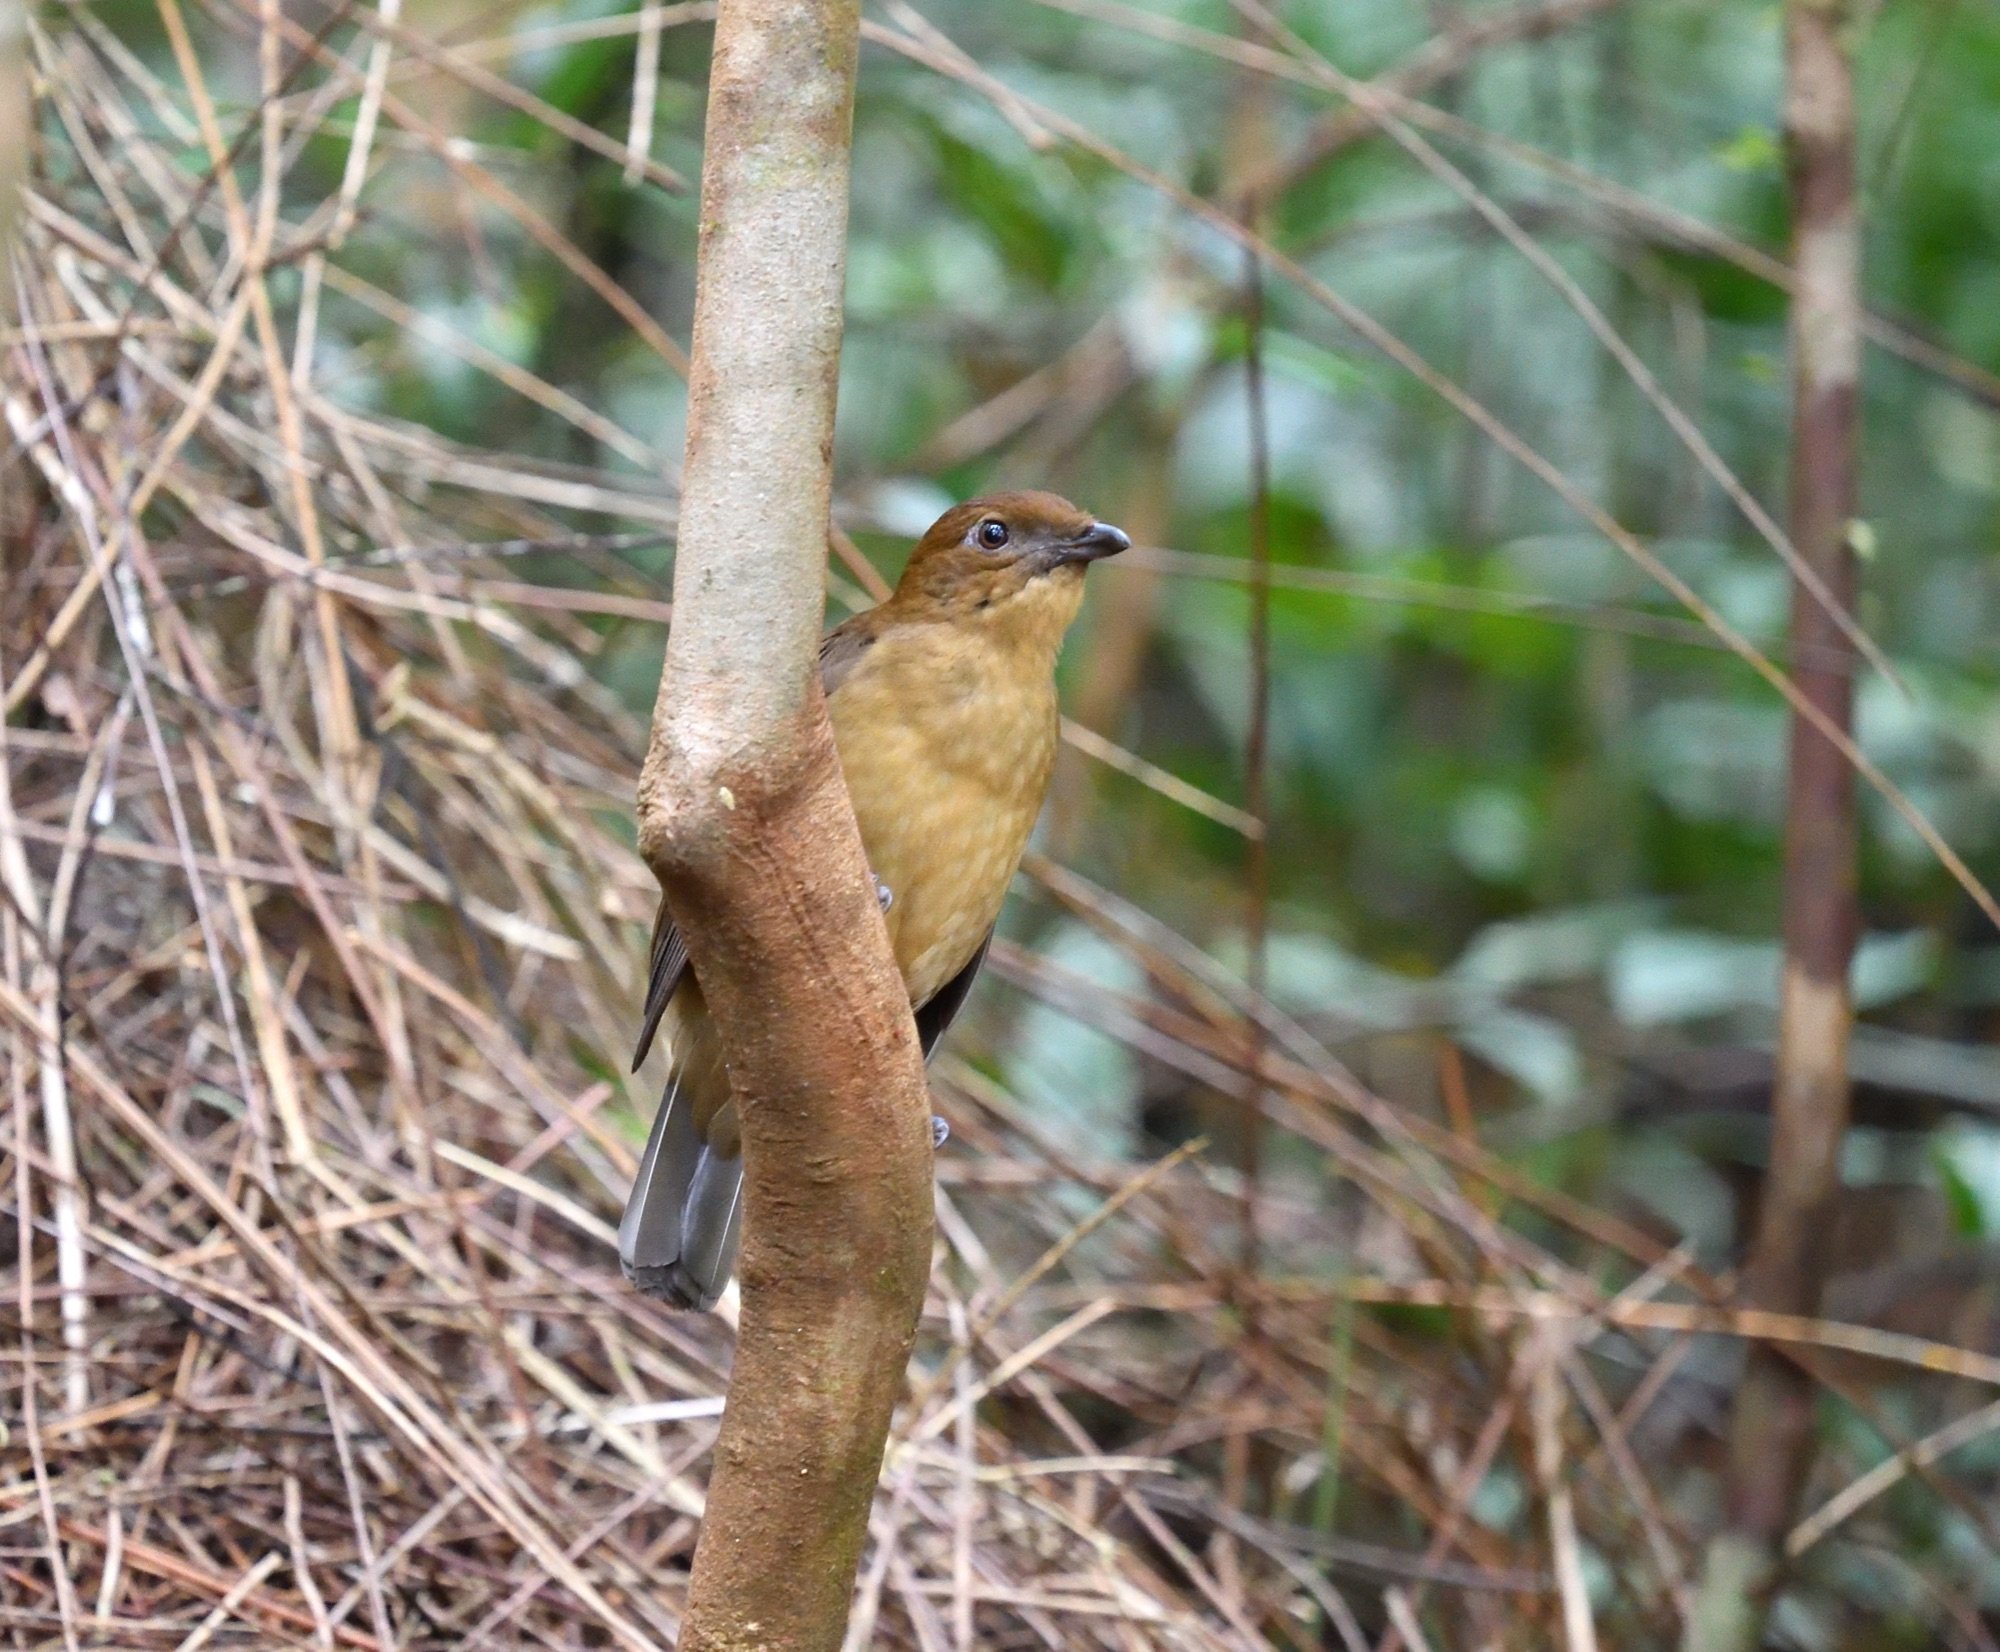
[{"x": 992, "y": 534}]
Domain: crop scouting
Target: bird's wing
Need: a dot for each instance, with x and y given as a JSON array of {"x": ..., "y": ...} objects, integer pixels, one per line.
[
  {"x": 839, "y": 651},
  {"x": 938, "y": 1011},
  {"x": 670, "y": 962}
]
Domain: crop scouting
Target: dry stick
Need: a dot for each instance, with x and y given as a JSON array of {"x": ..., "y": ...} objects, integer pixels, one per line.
[
  {"x": 301, "y": 1562},
  {"x": 966, "y": 1439},
  {"x": 645, "y": 93},
  {"x": 1100, "y": 353},
  {"x": 178, "y": 236},
  {"x": 350, "y": 796},
  {"x": 230, "y": 1604},
  {"x": 163, "y": 452},
  {"x": 1465, "y": 1485},
  {"x": 58, "y": 1125},
  {"x": 518, "y": 379},
  {"x": 30, "y": 1402},
  {"x": 1515, "y": 446},
  {"x": 1542, "y": 1350},
  {"x": 1629, "y": 1474},
  {"x": 1753, "y": 1324},
  {"x": 1545, "y": 1350},
  {"x": 1857, "y": 1494},
  {"x": 80, "y": 595},
  {"x": 1247, "y": 1638},
  {"x": 360, "y": 145},
  {"x": 1256, "y": 750},
  {"x": 1771, "y": 1429},
  {"x": 1154, "y": 778},
  {"x": 888, "y": 1531},
  {"x": 235, "y": 751},
  {"x": 272, "y": 1047},
  {"x": 1022, "y": 1359},
  {"x": 517, "y": 43},
  {"x": 13, "y": 138},
  {"x": 1403, "y": 1618},
  {"x": 1237, "y": 1476},
  {"x": 1394, "y": 589},
  {"x": 745, "y": 820}
]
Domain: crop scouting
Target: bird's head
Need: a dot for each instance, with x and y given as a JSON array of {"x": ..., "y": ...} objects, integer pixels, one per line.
[{"x": 1010, "y": 560}]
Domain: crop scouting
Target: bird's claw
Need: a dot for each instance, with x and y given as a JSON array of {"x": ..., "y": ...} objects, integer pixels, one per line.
[
  {"x": 885, "y": 897},
  {"x": 940, "y": 1132}
]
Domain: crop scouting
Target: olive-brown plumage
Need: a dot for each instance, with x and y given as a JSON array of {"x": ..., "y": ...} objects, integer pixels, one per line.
[{"x": 943, "y": 706}]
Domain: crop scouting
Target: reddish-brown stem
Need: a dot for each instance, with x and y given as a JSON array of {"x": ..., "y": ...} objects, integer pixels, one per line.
[
  {"x": 13, "y": 176},
  {"x": 1771, "y": 1436},
  {"x": 1256, "y": 752}
]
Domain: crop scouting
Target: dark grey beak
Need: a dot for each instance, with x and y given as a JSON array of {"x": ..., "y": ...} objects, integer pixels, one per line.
[{"x": 1100, "y": 540}]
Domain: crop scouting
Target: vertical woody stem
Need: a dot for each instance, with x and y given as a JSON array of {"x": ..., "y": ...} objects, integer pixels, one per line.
[
  {"x": 13, "y": 130},
  {"x": 745, "y": 819},
  {"x": 13, "y": 175},
  {"x": 1256, "y": 756},
  {"x": 13, "y": 163},
  {"x": 1771, "y": 1439}
]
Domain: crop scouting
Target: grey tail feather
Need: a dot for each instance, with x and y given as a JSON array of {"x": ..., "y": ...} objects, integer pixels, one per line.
[{"x": 678, "y": 1239}]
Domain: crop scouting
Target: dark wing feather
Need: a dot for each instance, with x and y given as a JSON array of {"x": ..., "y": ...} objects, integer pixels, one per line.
[
  {"x": 670, "y": 962},
  {"x": 839, "y": 651},
  {"x": 942, "y": 1007}
]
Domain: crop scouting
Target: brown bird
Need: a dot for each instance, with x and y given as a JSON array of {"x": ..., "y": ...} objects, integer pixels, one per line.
[{"x": 943, "y": 705}]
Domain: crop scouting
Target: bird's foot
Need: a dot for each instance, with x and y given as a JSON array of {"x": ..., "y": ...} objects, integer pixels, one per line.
[
  {"x": 940, "y": 1132},
  {"x": 885, "y": 897}
]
